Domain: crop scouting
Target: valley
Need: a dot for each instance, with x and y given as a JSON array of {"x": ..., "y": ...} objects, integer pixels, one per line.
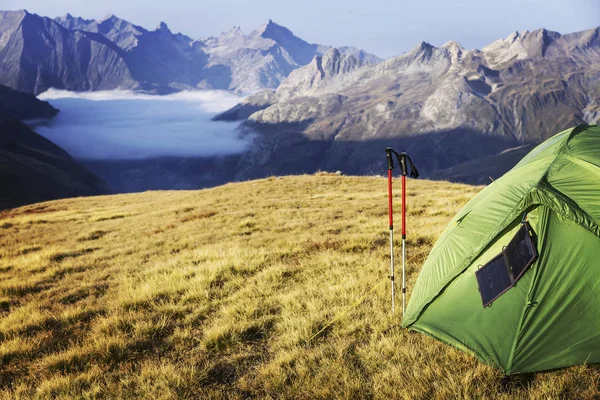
[{"x": 135, "y": 101}]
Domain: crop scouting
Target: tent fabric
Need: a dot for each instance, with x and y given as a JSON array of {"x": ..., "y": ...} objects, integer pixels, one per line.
[{"x": 548, "y": 319}]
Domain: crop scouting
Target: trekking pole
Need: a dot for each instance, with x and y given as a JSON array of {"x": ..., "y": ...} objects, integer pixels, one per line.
[
  {"x": 390, "y": 163},
  {"x": 404, "y": 173},
  {"x": 404, "y": 161}
]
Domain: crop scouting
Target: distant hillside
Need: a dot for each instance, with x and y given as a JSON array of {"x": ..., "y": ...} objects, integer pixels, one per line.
[
  {"x": 483, "y": 170},
  {"x": 214, "y": 294},
  {"x": 78, "y": 54},
  {"x": 24, "y": 106},
  {"x": 32, "y": 168}
]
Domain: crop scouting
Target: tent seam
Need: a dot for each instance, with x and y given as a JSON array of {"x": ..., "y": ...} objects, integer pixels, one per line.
[
  {"x": 549, "y": 190},
  {"x": 571, "y": 155},
  {"x": 527, "y": 299}
]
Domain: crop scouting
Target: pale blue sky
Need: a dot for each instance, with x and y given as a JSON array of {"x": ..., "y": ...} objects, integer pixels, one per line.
[{"x": 384, "y": 27}]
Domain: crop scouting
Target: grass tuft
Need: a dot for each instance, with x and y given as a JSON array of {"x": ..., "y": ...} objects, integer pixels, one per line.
[
  {"x": 94, "y": 235},
  {"x": 108, "y": 218},
  {"x": 60, "y": 256}
]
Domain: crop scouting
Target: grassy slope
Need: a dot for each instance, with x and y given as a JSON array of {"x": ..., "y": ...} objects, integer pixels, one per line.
[{"x": 214, "y": 293}]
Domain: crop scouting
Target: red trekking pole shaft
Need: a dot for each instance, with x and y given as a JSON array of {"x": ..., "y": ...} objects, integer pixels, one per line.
[
  {"x": 391, "y": 209},
  {"x": 403, "y": 243},
  {"x": 403, "y": 206}
]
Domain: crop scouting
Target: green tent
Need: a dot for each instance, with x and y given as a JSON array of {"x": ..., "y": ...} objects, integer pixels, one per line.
[{"x": 549, "y": 316}]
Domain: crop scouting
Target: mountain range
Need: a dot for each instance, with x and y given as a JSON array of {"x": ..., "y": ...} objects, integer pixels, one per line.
[
  {"x": 465, "y": 115},
  {"x": 72, "y": 53},
  {"x": 445, "y": 105}
]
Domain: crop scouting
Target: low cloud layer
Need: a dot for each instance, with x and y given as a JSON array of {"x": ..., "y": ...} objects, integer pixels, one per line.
[{"x": 128, "y": 125}]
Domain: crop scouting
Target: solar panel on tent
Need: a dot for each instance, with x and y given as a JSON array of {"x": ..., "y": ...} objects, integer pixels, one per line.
[
  {"x": 493, "y": 279},
  {"x": 520, "y": 253},
  {"x": 503, "y": 271}
]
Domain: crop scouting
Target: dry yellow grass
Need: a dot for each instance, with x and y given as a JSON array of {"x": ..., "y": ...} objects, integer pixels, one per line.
[{"x": 214, "y": 294}]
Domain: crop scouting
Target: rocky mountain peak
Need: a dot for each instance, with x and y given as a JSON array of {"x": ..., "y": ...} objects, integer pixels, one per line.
[
  {"x": 592, "y": 38},
  {"x": 274, "y": 31},
  {"x": 107, "y": 22},
  {"x": 361, "y": 55},
  {"x": 330, "y": 62},
  {"x": 422, "y": 51},
  {"x": 231, "y": 40},
  {"x": 24, "y": 15},
  {"x": 74, "y": 23},
  {"x": 270, "y": 26},
  {"x": 543, "y": 39},
  {"x": 234, "y": 32},
  {"x": 421, "y": 48},
  {"x": 301, "y": 52},
  {"x": 13, "y": 15},
  {"x": 520, "y": 46},
  {"x": 546, "y": 32},
  {"x": 20, "y": 13},
  {"x": 163, "y": 27},
  {"x": 332, "y": 53},
  {"x": 512, "y": 37},
  {"x": 454, "y": 50},
  {"x": 452, "y": 44},
  {"x": 110, "y": 17}
]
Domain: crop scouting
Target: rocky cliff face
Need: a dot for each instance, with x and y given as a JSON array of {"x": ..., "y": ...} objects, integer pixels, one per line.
[
  {"x": 73, "y": 53},
  {"x": 446, "y": 103},
  {"x": 37, "y": 53}
]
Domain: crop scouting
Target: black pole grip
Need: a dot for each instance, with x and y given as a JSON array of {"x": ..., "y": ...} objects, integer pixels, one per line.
[
  {"x": 388, "y": 155},
  {"x": 402, "y": 161}
]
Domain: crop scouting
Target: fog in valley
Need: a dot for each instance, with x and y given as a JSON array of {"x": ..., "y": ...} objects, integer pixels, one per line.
[{"x": 127, "y": 125}]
